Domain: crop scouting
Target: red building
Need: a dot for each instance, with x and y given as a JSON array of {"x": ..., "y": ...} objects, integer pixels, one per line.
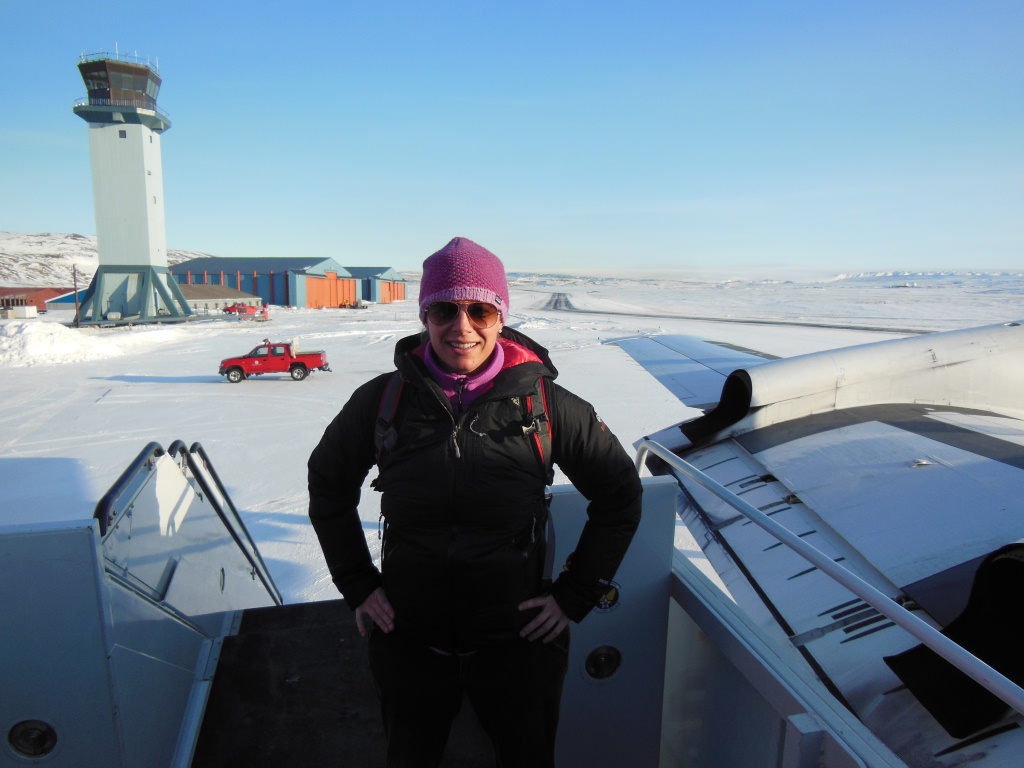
[{"x": 29, "y": 297}]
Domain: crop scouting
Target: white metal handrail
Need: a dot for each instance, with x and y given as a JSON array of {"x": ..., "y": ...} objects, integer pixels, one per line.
[{"x": 989, "y": 678}]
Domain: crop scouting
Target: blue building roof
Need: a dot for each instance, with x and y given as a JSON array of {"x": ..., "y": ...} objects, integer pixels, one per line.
[
  {"x": 264, "y": 265},
  {"x": 68, "y": 298},
  {"x": 382, "y": 273}
]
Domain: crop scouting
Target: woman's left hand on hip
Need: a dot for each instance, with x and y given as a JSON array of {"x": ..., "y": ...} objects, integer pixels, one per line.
[{"x": 549, "y": 623}]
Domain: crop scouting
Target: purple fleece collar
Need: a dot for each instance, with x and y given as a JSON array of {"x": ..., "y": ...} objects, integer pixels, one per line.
[{"x": 472, "y": 386}]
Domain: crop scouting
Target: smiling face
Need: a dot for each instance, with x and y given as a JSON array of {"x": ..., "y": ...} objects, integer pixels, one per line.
[{"x": 461, "y": 347}]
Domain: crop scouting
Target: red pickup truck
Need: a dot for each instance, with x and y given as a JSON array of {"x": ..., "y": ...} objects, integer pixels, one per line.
[{"x": 273, "y": 357}]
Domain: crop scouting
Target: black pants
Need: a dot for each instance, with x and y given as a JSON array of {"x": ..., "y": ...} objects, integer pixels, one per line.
[{"x": 515, "y": 690}]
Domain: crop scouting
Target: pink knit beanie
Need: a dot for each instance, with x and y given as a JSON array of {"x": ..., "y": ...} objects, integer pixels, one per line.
[{"x": 463, "y": 271}]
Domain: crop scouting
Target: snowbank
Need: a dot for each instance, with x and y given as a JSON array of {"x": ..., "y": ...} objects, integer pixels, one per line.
[
  {"x": 42, "y": 343},
  {"x": 47, "y": 343}
]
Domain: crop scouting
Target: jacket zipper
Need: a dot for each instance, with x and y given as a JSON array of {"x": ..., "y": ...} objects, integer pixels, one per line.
[
  {"x": 447, "y": 407},
  {"x": 457, "y": 418}
]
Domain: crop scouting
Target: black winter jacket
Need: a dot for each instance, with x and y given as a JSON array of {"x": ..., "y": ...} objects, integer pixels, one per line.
[{"x": 464, "y": 501}]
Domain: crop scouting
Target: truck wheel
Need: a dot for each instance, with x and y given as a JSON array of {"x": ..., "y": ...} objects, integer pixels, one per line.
[
  {"x": 235, "y": 375},
  {"x": 298, "y": 372}
]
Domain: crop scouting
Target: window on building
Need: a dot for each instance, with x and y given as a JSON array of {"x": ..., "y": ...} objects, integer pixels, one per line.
[{"x": 122, "y": 134}]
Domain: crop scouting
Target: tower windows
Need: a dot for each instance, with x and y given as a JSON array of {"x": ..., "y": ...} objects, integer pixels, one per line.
[{"x": 122, "y": 134}]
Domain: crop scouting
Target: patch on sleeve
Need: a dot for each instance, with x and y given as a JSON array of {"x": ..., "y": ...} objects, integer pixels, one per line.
[{"x": 609, "y": 600}]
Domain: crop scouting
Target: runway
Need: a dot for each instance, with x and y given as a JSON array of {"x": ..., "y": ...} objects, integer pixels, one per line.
[{"x": 562, "y": 302}]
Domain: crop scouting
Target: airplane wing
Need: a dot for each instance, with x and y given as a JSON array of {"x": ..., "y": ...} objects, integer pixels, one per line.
[
  {"x": 692, "y": 369},
  {"x": 903, "y": 460}
]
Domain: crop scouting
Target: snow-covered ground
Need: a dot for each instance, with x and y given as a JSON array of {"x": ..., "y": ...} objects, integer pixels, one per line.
[{"x": 76, "y": 406}]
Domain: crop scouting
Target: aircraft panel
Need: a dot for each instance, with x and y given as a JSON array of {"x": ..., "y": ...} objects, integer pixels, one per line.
[{"x": 969, "y": 499}]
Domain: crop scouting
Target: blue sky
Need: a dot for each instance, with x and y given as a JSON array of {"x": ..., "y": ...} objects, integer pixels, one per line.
[{"x": 564, "y": 136}]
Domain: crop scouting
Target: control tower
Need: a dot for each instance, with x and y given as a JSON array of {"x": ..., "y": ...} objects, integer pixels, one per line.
[{"x": 132, "y": 283}]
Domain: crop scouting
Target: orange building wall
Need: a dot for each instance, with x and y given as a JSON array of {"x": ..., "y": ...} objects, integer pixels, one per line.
[
  {"x": 391, "y": 292},
  {"x": 330, "y": 291}
]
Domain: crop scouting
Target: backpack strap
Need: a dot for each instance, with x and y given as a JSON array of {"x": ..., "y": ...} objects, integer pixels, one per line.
[
  {"x": 385, "y": 436},
  {"x": 537, "y": 425}
]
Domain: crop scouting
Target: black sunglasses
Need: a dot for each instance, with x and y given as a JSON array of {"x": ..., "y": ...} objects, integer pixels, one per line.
[{"x": 481, "y": 316}]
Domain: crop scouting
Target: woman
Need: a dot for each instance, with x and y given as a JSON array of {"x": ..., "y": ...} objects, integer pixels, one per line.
[{"x": 460, "y": 604}]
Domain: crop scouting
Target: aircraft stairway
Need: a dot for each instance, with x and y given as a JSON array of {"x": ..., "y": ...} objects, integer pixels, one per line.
[{"x": 292, "y": 687}]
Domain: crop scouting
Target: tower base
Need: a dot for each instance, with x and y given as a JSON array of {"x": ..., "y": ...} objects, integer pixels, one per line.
[{"x": 136, "y": 294}]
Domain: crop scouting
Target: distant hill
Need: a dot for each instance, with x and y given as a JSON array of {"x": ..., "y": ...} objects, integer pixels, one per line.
[{"x": 48, "y": 260}]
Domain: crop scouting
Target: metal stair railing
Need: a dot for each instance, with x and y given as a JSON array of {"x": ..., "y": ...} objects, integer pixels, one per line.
[{"x": 201, "y": 470}]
